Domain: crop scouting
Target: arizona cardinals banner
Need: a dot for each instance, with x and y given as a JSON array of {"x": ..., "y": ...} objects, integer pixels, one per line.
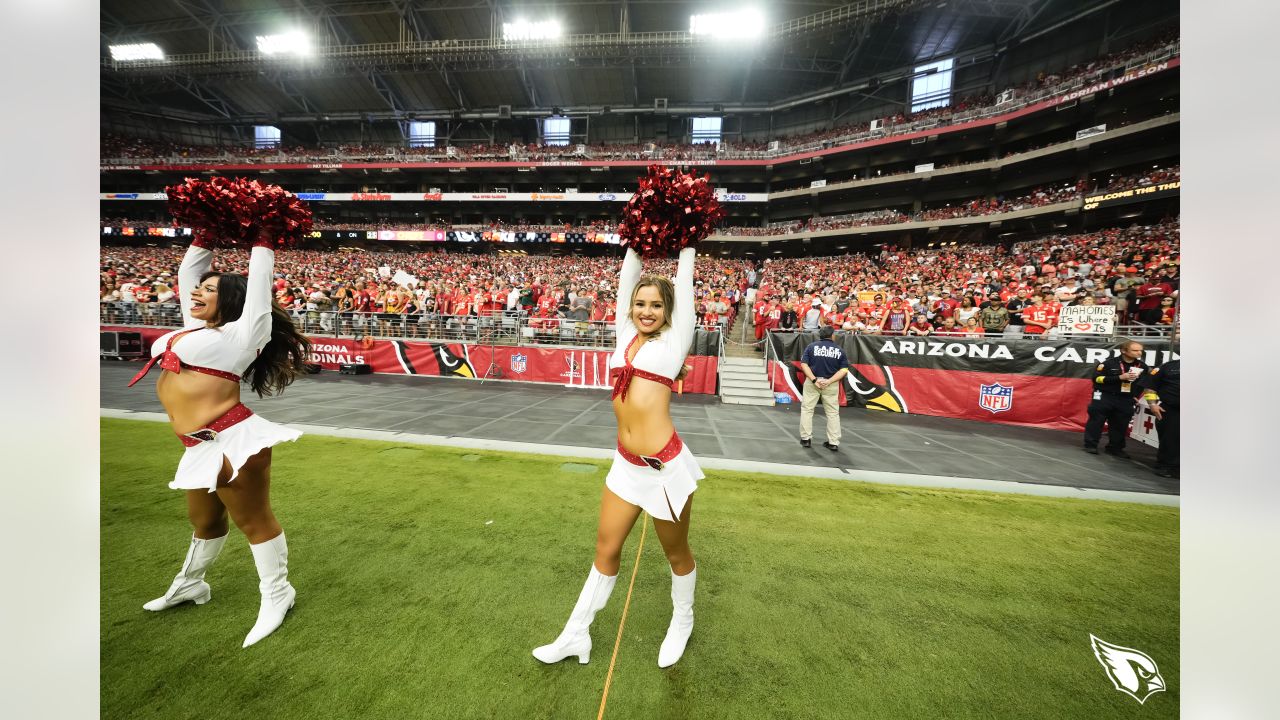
[
  {"x": 575, "y": 367},
  {"x": 1018, "y": 382}
]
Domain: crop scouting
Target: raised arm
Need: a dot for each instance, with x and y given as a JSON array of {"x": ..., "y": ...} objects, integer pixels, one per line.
[
  {"x": 195, "y": 263},
  {"x": 685, "y": 317},
  {"x": 627, "y": 281},
  {"x": 253, "y": 329}
]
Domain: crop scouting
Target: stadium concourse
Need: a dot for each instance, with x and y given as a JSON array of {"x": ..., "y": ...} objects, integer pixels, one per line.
[{"x": 980, "y": 200}]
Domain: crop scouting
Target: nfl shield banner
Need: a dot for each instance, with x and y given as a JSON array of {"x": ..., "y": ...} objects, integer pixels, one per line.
[{"x": 995, "y": 398}]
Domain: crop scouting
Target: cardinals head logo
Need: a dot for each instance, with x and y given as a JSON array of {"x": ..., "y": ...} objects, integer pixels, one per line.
[{"x": 1133, "y": 672}]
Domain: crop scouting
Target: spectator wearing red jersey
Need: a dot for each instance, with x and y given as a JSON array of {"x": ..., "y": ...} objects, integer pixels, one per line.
[
  {"x": 972, "y": 328},
  {"x": 1036, "y": 317},
  {"x": 1149, "y": 296}
]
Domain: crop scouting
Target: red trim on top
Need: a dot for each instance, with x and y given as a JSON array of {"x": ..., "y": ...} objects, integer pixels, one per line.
[
  {"x": 622, "y": 376},
  {"x": 170, "y": 361}
]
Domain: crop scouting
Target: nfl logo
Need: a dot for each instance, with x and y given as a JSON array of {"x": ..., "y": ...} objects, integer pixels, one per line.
[
  {"x": 519, "y": 363},
  {"x": 995, "y": 398}
]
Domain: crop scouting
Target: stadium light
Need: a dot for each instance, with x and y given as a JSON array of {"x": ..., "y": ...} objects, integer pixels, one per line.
[
  {"x": 290, "y": 43},
  {"x": 138, "y": 51},
  {"x": 728, "y": 25},
  {"x": 524, "y": 30}
]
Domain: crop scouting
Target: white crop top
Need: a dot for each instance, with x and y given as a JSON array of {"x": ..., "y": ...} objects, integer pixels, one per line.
[
  {"x": 665, "y": 354},
  {"x": 232, "y": 347}
]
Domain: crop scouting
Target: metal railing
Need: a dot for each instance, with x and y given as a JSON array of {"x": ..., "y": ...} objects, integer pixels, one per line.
[
  {"x": 501, "y": 328},
  {"x": 1138, "y": 332}
]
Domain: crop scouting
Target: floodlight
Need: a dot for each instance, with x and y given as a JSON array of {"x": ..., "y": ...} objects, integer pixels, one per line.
[
  {"x": 139, "y": 51},
  {"x": 737, "y": 25},
  {"x": 290, "y": 43},
  {"x": 524, "y": 30}
]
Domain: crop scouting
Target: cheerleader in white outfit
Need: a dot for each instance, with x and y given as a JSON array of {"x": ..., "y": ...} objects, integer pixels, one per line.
[
  {"x": 231, "y": 331},
  {"x": 652, "y": 469}
]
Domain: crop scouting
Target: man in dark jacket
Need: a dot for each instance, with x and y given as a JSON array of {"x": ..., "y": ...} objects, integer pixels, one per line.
[
  {"x": 1115, "y": 385},
  {"x": 1164, "y": 391}
]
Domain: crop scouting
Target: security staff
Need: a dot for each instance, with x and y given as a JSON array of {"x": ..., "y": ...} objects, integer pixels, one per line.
[
  {"x": 1115, "y": 385},
  {"x": 1163, "y": 394},
  {"x": 824, "y": 364}
]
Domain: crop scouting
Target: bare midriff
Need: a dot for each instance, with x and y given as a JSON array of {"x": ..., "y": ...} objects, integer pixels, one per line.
[
  {"x": 193, "y": 399},
  {"x": 644, "y": 417}
]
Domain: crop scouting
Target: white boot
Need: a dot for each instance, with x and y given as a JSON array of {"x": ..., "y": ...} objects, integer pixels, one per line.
[
  {"x": 272, "y": 559},
  {"x": 575, "y": 639},
  {"x": 681, "y": 618},
  {"x": 189, "y": 585}
]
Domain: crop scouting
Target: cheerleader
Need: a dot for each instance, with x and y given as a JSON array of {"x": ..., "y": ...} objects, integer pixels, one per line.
[
  {"x": 232, "y": 331},
  {"x": 652, "y": 469}
]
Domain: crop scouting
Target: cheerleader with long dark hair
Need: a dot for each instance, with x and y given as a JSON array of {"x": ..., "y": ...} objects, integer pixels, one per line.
[{"x": 233, "y": 332}]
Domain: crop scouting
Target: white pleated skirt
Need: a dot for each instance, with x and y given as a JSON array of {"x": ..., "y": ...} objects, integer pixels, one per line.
[
  {"x": 200, "y": 464},
  {"x": 653, "y": 489}
]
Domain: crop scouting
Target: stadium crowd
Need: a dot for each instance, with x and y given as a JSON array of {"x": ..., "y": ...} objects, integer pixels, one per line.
[
  {"x": 123, "y": 150},
  {"x": 955, "y": 290},
  {"x": 975, "y": 290},
  {"x": 437, "y": 289}
]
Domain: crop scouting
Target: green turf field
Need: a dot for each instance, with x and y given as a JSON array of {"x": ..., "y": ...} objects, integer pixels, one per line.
[{"x": 426, "y": 575}]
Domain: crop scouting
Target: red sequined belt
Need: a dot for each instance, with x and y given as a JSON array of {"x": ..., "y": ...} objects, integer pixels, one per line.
[
  {"x": 658, "y": 460},
  {"x": 622, "y": 379},
  {"x": 207, "y": 433}
]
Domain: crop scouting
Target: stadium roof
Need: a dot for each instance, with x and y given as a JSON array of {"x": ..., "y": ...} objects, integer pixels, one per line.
[{"x": 402, "y": 58}]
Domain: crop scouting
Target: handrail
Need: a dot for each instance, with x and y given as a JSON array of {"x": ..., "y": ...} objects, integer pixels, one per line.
[{"x": 501, "y": 328}]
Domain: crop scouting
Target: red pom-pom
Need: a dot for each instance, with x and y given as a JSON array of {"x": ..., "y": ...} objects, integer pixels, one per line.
[
  {"x": 236, "y": 212},
  {"x": 670, "y": 211}
]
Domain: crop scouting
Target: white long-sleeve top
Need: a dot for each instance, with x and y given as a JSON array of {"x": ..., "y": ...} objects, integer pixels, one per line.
[
  {"x": 665, "y": 354},
  {"x": 231, "y": 347}
]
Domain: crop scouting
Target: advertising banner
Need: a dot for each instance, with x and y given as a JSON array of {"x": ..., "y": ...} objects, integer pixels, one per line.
[
  {"x": 1133, "y": 195},
  {"x": 1018, "y": 382},
  {"x": 619, "y": 197},
  {"x": 576, "y": 367},
  {"x": 1091, "y": 131}
]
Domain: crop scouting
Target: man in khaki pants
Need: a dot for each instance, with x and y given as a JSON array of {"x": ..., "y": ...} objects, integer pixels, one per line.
[{"x": 824, "y": 365}]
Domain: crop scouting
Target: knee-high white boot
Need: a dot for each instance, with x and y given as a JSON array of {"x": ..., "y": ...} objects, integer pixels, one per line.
[
  {"x": 272, "y": 559},
  {"x": 189, "y": 584},
  {"x": 575, "y": 639},
  {"x": 681, "y": 618}
]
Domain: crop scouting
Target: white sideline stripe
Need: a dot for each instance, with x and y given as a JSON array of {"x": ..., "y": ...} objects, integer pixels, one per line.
[{"x": 937, "y": 482}]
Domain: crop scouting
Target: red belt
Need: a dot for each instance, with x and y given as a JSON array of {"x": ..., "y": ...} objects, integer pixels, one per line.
[
  {"x": 207, "y": 433},
  {"x": 658, "y": 460}
]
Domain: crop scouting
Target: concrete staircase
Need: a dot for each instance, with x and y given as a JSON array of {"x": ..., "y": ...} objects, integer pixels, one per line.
[{"x": 745, "y": 381}]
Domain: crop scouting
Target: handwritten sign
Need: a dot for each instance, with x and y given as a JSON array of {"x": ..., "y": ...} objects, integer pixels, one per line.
[{"x": 1088, "y": 319}]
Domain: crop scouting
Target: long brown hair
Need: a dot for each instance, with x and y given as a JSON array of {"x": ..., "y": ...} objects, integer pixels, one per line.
[
  {"x": 284, "y": 358},
  {"x": 666, "y": 292}
]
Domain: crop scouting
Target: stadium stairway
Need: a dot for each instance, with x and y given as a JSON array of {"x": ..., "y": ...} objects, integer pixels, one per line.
[{"x": 745, "y": 381}]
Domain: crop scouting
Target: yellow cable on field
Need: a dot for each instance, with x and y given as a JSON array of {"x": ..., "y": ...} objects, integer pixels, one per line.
[{"x": 644, "y": 526}]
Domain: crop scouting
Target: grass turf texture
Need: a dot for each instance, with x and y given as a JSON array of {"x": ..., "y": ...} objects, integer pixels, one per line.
[{"x": 816, "y": 598}]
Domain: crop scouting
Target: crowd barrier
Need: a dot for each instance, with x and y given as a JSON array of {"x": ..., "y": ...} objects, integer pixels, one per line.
[
  {"x": 585, "y": 367},
  {"x": 1038, "y": 383},
  {"x": 500, "y": 328}
]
